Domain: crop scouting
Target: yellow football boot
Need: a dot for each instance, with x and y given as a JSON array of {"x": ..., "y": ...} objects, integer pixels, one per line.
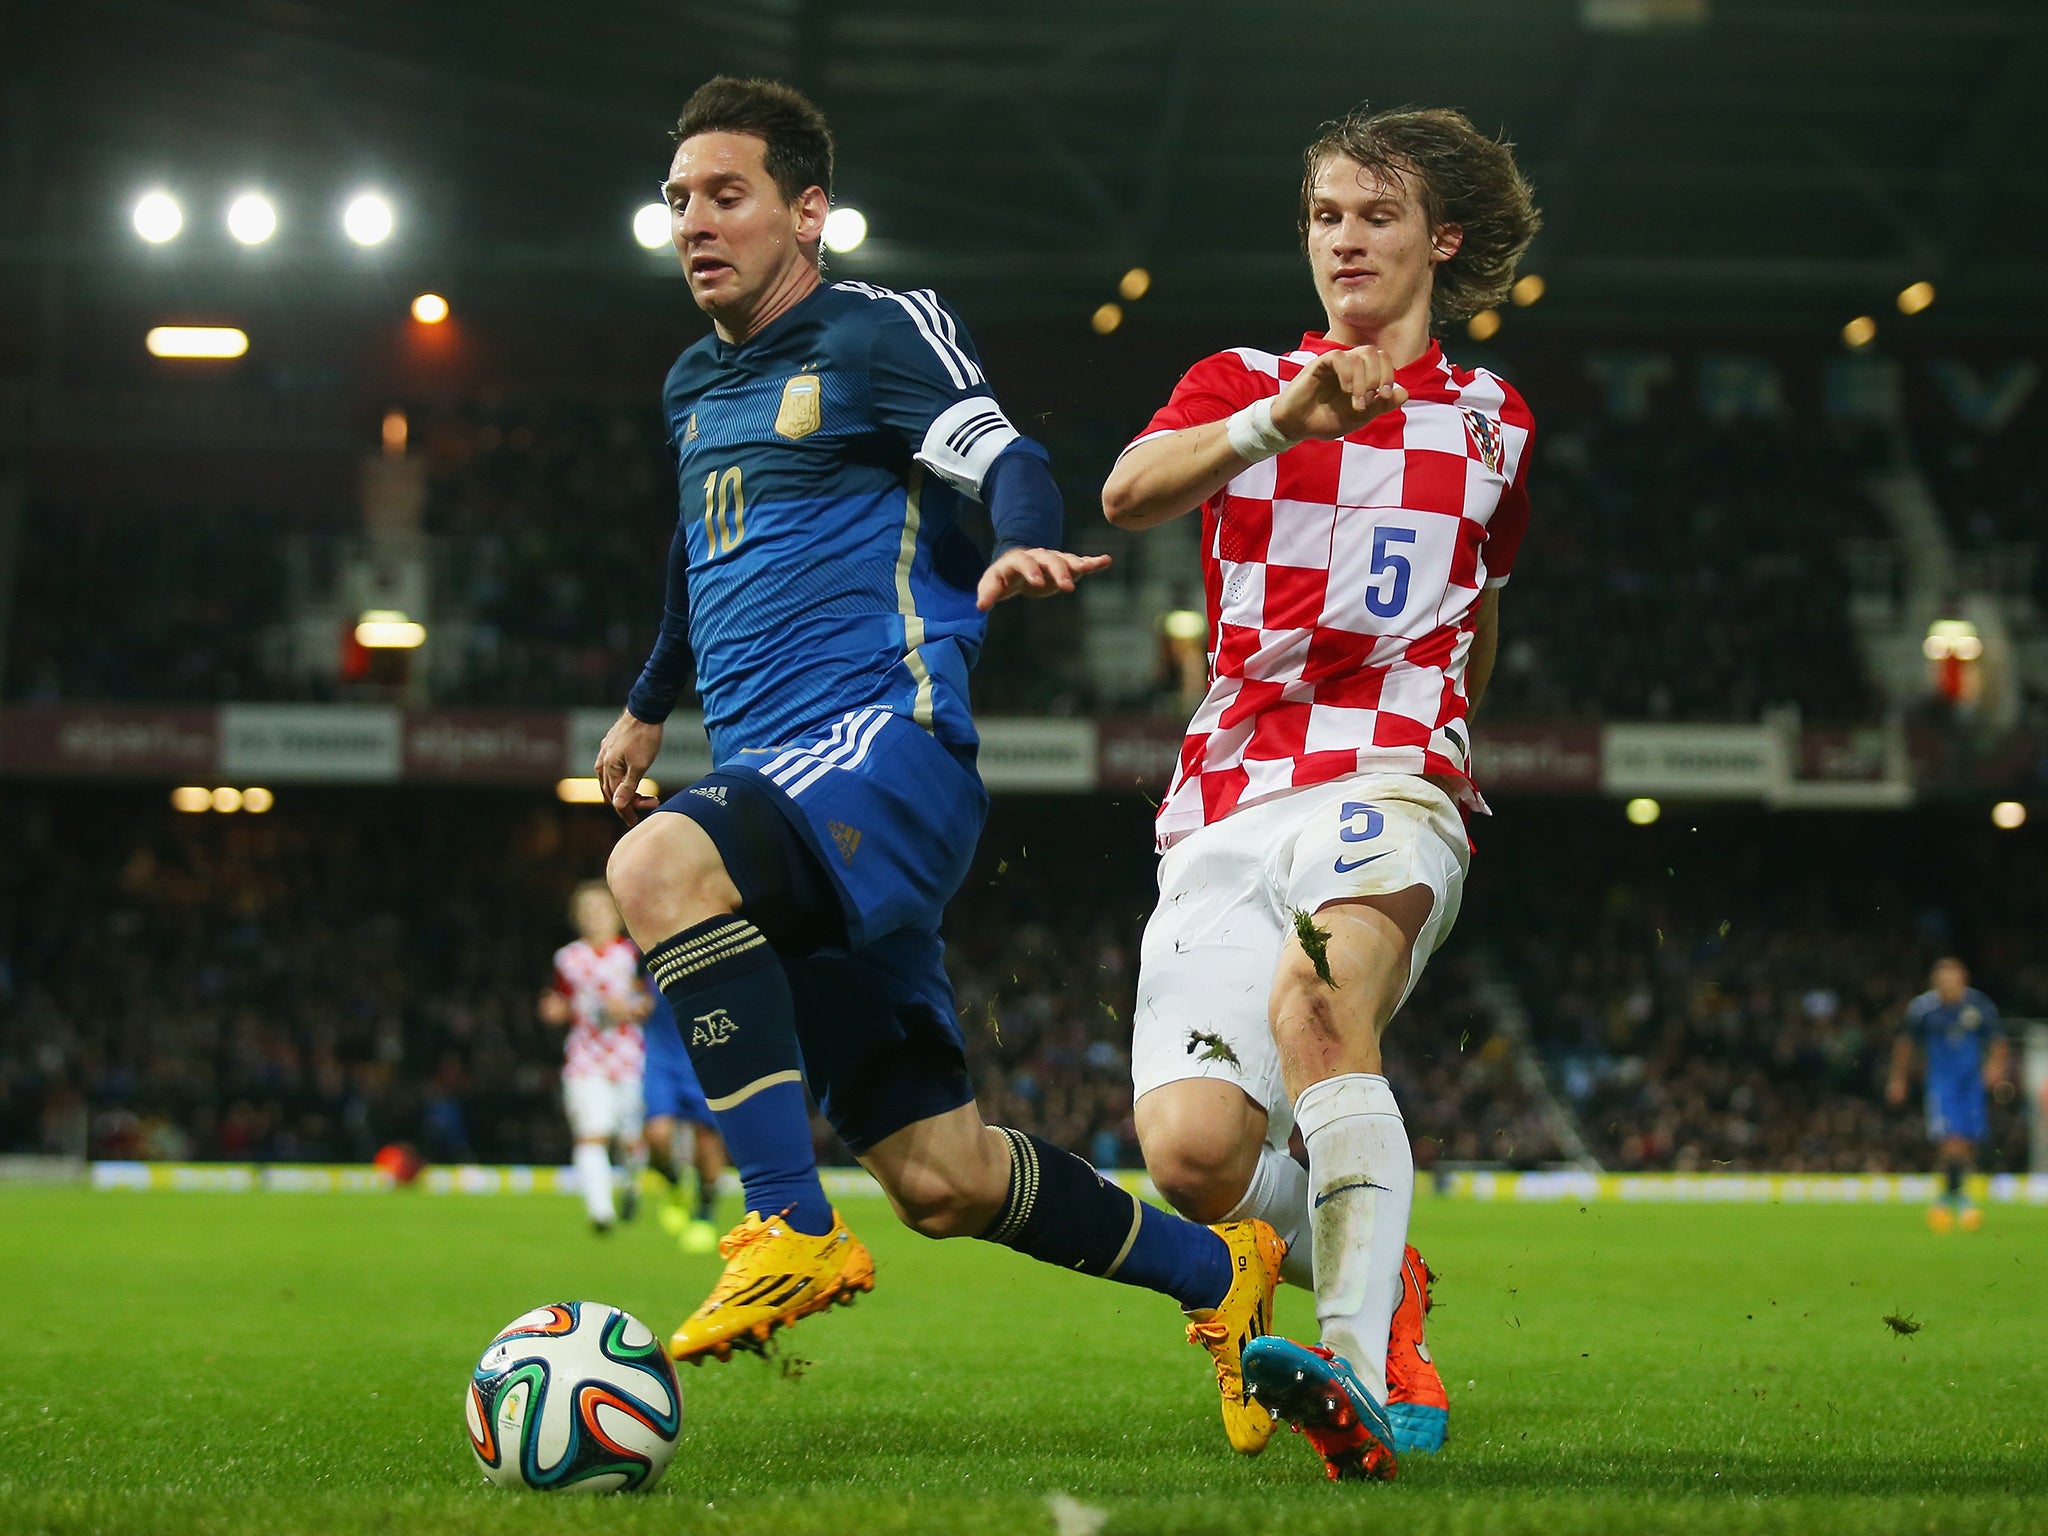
[
  {"x": 1245, "y": 1313},
  {"x": 773, "y": 1276}
]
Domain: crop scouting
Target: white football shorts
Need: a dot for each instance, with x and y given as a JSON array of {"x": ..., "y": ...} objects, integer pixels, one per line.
[
  {"x": 1226, "y": 895},
  {"x": 603, "y": 1108}
]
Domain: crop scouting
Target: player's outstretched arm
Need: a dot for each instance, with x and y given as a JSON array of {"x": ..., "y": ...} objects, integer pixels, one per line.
[
  {"x": 1033, "y": 573},
  {"x": 553, "y": 1008},
  {"x": 628, "y": 750},
  {"x": 1166, "y": 476}
]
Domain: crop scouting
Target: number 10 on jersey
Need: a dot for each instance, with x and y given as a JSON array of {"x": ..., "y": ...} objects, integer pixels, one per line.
[{"x": 725, "y": 511}]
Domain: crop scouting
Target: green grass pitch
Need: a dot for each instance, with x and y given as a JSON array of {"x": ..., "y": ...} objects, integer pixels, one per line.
[{"x": 257, "y": 1365}]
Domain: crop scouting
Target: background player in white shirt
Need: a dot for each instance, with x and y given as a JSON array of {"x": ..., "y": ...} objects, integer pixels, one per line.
[
  {"x": 599, "y": 996},
  {"x": 1362, "y": 502}
]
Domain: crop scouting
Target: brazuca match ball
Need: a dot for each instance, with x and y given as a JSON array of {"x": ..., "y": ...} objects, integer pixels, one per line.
[{"x": 574, "y": 1397}]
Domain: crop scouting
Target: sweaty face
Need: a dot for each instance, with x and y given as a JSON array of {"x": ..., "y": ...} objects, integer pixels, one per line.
[
  {"x": 735, "y": 234},
  {"x": 1370, "y": 247}
]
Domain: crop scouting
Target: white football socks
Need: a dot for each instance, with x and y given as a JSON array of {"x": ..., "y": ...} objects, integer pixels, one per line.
[
  {"x": 1361, "y": 1177},
  {"x": 594, "y": 1179},
  {"x": 1278, "y": 1196}
]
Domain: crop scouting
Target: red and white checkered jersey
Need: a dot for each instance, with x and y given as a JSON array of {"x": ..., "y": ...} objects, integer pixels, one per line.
[
  {"x": 1343, "y": 582},
  {"x": 606, "y": 998}
]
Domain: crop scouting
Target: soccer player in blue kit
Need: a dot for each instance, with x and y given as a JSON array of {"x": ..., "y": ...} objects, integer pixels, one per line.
[
  {"x": 827, "y": 438},
  {"x": 1967, "y": 1055}
]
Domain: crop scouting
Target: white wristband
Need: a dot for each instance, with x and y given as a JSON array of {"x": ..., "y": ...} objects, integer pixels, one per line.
[{"x": 1253, "y": 435}]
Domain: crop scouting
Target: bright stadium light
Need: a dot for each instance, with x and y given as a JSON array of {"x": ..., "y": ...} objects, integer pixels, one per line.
[
  {"x": 650, "y": 225},
  {"x": 430, "y": 309},
  {"x": 1107, "y": 317},
  {"x": 1859, "y": 333},
  {"x": 1642, "y": 811},
  {"x": 845, "y": 228},
  {"x": 191, "y": 799},
  {"x": 368, "y": 219},
  {"x": 252, "y": 219},
  {"x": 1527, "y": 290},
  {"x": 227, "y": 800},
  {"x": 1184, "y": 624},
  {"x": 386, "y": 629},
  {"x": 1915, "y": 297},
  {"x": 1134, "y": 285},
  {"x": 590, "y": 792},
  {"x": 2008, "y": 815},
  {"x": 1483, "y": 326},
  {"x": 196, "y": 341},
  {"x": 256, "y": 800},
  {"x": 158, "y": 217}
]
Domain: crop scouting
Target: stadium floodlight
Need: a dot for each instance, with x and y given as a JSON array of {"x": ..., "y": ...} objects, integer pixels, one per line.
[
  {"x": 1859, "y": 333},
  {"x": 1107, "y": 317},
  {"x": 158, "y": 217},
  {"x": 387, "y": 629},
  {"x": 590, "y": 792},
  {"x": 1134, "y": 285},
  {"x": 1184, "y": 624},
  {"x": 845, "y": 229},
  {"x": 191, "y": 799},
  {"x": 1483, "y": 326},
  {"x": 217, "y": 341},
  {"x": 227, "y": 800},
  {"x": 430, "y": 309},
  {"x": 650, "y": 226},
  {"x": 368, "y": 219},
  {"x": 2008, "y": 815},
  {"x": 1915, "y": 297},
  {"x": 252, "y": 218},
  {"x": 1642, "y": 811},
  {"x": 1529, "y": 287},
  {"x": 256, "y": 800}
]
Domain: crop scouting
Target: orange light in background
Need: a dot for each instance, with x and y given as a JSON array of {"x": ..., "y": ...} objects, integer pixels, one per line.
[
  {"x": 256, "y": 800},
  {"x": 430, "y": 309},
  {"x": 1107, "y": 317},
  {"x": 1527, "y": 290},
  {"x": 1483, "y": 326},
  {"x": 396, "y": 432},
  {"x": 590, "y": 792},
  {"x": 1915, "y": 297},
  {"x": 1859, "y": 333},
  {"x": 191, "y": 799},
  {"x": 226, "y": 800},
  {"x": 1134, "y": 285}
]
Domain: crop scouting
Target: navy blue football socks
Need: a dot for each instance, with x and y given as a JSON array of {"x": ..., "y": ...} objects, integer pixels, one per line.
[
  {"x": 1062, "y": 1211},
  {"x": 733, "y": 1006}
]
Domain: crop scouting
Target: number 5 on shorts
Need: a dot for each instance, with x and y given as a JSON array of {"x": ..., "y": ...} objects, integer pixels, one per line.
[{"x": 1373, "y": 824}]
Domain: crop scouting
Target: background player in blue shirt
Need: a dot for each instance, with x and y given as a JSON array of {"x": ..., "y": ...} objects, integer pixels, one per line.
[
  {"x": 826, "y": 439},
  {"x": 1967, "y": 1055},
  {"x": 680, "y": 1130}
]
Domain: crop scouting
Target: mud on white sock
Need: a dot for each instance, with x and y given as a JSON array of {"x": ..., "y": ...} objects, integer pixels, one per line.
[{"x": 1361, "y": 1177}]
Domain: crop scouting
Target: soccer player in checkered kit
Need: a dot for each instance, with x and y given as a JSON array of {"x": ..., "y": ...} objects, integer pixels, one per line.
[{"x": 1362, "y": 499}]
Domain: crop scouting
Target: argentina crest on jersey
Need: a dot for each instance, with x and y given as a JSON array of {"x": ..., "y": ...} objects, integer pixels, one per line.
[
  {"x": 801, "y": 412},
  {"x": 1485, "y": 436}
]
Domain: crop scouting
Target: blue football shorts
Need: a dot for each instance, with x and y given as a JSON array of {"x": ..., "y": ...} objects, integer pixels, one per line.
[
  {"x": 845, "y": 849},
  {"x": 1957, "y": 1109}
]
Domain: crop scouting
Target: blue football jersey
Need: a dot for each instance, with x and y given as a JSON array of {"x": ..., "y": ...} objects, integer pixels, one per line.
[
  {"x": 1954, "y": 1036},
  {"x": 822, "y": 467}
]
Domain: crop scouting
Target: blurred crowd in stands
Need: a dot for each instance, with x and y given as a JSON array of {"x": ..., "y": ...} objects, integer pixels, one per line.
[
  {"x": 1715, "y": 548},
  {"x": 360, "y": 967}
]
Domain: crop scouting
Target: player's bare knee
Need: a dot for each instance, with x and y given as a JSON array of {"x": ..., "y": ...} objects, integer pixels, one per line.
[
  {"x": 666, "y": 874},
  {"x": 1200, "y": 1155},
  {"x": 933, "y": 1202}
]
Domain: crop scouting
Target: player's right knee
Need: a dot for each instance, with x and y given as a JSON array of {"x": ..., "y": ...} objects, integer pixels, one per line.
[
  {"x": 1201, "y": 1162},
  {"x": 666, "y": 875}
]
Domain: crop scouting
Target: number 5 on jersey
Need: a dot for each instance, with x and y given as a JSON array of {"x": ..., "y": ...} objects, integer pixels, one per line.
[{"x": 725, "y": 511}]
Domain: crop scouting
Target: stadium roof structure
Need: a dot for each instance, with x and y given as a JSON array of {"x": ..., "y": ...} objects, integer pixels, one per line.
[{"x": 1727, "y": 161}]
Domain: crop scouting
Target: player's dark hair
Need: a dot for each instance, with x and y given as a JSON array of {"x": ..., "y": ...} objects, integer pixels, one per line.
[
  {"x": 1466, "y": 179},
  {"x": 799, "y": 142}
]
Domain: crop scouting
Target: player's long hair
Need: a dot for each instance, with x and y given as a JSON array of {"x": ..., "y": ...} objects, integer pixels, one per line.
[
  {"x": 799, "y": 142},
  {"x": 1466, "y": 178}
]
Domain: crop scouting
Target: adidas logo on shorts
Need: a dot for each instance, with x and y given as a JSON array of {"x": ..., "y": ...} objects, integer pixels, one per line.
[{"x": 714, "y": 792}]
